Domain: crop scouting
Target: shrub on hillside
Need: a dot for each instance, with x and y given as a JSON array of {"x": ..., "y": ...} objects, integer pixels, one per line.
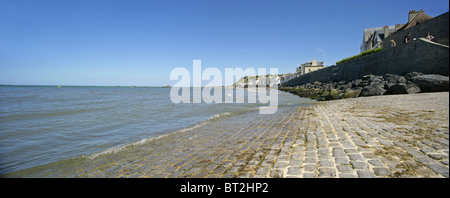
[{"x": 360, "y": 55}]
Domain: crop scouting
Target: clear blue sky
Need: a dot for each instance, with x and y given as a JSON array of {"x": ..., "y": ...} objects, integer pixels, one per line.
[{"x": 139, "y": 42}]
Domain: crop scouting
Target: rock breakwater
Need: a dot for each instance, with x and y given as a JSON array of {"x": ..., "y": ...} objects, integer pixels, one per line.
[{"x": 371, "y": 85}]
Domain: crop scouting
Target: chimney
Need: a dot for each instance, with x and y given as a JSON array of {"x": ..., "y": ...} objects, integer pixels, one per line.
[
  {"x": 386, "y": 31},
  {"x": 414, "y": 13},
  {"x": 398, "y": 26},
  {"x": 314, "y": 62}
]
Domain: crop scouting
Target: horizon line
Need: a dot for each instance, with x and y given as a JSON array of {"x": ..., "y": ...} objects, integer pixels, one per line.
[{"x": 41, "y": 85}]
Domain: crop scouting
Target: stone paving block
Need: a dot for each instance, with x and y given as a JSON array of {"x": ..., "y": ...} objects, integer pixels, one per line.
[
  {"x": 360, "y": 165},
  {"x": 235, "y": 169},
  {"x": 311, "y": 154},
  {"x": 327, "y": 172},
  {"x": 344, "y": 168},
  {"x": 338, "y": 152},
  {"x": 375, "y": 162},
  {"x": 369, "y": 155},
  {"x": 296, "y": 156},
  {"x": 341, "y": 160},
  {"x": 350, "y": 151},
  {"x": 228, "y": 175},
  {"x": 427, "y": 150},
  {"x": 335, "y": 144},
  {"x": 347, "y": 175},
  {"x": 263, "y": 171},
  {"x": 254, "y": 162},
  {"x": 297, "y": 150},
  {"x": 325, "y": 157},
  {"x": 386, "y": 142},
  {"x": 282, "y": 158},
  {"x": 425, "y": 160},
  {"x": 365, "y": 174},
  {"x": 296, "y": 163},
  {"x": 356, "y": 157},
  {"x": 439, "y": 168},
  {"x": 270, "y": 157},
  {"x": 310, "y": 167},
  {"x": 439, "y": 146},
  {"x": 293, "y": 176},
  {"x": 326, "y": 163},
  {"x": 348, "y": 145},
  {"x": 201, "y": 174},
  {"x": 176, "y": 174},
  {"x": 382, "y": 171},
  {"x": 161, "y": 175},
  {"x": 323, "y": 151},
  {"x": 437, "y": 156},
  {"x": 294, "y": 171},
  {"x": 282, "y": 164},
  {"x": 220, "y": 170},
  {"x": 250, "y": 168},
  {"x": 276, "y": 173},
  {"x": 310, "y": 160},
  {"x": 309, "y": 175}
]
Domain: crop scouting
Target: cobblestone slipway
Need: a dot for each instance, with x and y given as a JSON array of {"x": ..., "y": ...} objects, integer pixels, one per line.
[{"x": 384, "y": 136}]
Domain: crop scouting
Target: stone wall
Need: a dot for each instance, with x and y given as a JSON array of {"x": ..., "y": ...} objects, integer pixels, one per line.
[{"x": 419, "y": 56}]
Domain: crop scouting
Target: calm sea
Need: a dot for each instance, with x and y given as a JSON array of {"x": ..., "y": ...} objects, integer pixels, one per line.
[{"x": 45, "y": 124}]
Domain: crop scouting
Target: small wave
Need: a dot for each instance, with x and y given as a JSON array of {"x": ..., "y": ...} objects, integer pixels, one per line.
[
  {"x": 220, "y": 115},
  {"x": 121, "y": 147},
  {"x": 143, "y": 141}
]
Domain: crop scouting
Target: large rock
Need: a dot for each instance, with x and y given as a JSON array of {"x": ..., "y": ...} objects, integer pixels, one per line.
[
  {"x": 403, "y": 88},
  {"x": 356, "y": 83},
  {"x": 410, "y": 75},
  {"x": 393, "y": 78},
  {"x": 368, "y": 77},
  {"x": 376, "y": 79},
  {"x": 345, "y": 86},
  {"x": 431, "y": 82},
  {"x": 372, "y": 90},
  {"x": 352, "y": 93}
]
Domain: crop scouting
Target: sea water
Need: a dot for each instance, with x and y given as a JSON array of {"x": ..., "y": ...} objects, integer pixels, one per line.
[{"x": 45, "y": 124}]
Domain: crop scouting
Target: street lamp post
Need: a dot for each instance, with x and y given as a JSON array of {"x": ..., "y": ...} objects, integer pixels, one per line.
[{"x": 323, "y": 55}]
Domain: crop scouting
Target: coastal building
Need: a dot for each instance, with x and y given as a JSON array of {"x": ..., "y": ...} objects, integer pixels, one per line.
[
  {"x": 309, "y": 67},
  {"x": 419, "y": 25},
  {"x": 373, "y": 37},
  {"x": 415, "y": 18}
]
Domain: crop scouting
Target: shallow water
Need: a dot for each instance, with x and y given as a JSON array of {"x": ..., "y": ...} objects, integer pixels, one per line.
[{"x": 46, "y": 124}]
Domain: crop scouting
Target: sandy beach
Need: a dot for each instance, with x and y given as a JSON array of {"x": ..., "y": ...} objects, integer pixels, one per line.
[{"x": 384, "y": 136}]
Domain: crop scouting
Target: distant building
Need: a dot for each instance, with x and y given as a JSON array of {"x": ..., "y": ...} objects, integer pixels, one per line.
[
  {"x": 287, "y": 77},
  {"x": 309, "y": 67},
  {"x": 269, "y": 80}
]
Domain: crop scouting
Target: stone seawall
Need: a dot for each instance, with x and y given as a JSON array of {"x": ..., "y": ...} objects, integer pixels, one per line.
[{"x": 416, "y": 56}]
